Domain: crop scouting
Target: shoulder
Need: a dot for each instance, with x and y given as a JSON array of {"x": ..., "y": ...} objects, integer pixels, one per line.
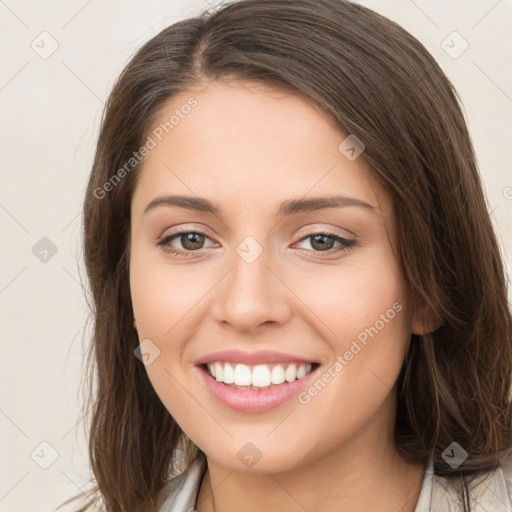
[
  {"x": 180, "y": 493},
  {"x": 489, "y": 492}
]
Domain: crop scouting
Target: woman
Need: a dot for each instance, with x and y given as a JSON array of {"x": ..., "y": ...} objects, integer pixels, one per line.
[{"x": 298, "y": 295}]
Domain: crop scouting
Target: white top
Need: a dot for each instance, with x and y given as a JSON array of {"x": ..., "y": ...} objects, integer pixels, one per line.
[{"x": 492, "y": 494}]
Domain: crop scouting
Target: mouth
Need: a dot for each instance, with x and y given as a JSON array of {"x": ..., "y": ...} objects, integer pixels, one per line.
[
  {"x": 257, "y": 377},
  {"x": 255, "y": 382}
]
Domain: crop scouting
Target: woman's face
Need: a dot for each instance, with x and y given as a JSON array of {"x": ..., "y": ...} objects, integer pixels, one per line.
[{"x": 256, "y": 280}]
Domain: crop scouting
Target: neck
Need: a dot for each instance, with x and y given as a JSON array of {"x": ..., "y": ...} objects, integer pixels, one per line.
[{"x": 356, "y": 479}]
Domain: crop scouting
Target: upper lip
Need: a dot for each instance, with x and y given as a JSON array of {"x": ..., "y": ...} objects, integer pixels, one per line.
[{"x": 262, "y": 356}]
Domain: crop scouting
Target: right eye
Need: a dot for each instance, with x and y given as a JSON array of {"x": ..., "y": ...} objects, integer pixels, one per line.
[{"x": 189, "y": 240}]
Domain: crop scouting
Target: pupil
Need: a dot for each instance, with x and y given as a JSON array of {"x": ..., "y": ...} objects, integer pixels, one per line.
[
  {"x": 189, "y": 239},
  {"x": 322, "y": 245}
]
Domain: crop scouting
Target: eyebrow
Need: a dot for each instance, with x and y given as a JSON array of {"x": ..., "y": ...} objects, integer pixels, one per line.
[{"x": 289, "y": 207}]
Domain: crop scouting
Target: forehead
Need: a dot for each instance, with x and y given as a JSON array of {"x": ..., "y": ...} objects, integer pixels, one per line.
[{"x": 247, "y": 143}]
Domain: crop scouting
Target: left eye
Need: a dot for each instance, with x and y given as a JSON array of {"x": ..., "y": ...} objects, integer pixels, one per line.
[
  {"x": 321, "y": 241},
  {"x": 192, "y": 241}
]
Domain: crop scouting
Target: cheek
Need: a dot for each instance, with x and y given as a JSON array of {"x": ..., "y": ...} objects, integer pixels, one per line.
[
  {"x": 365, "y": 321},
  {"x": 353, "y": 296},
  {"x": 163, "y": 299},
  {"x": 163, "y": 295},
  {"x": 168, "y": 303}
]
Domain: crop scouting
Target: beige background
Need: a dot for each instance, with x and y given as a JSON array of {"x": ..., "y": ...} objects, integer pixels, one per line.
[{"x": 51, "y": 108}]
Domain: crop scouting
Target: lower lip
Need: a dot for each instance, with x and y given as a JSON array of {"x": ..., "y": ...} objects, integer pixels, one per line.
[{"x": 255, "y": 400}]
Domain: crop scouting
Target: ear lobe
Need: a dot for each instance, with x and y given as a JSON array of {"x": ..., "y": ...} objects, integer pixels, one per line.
[{"x": 425, "y": 320}]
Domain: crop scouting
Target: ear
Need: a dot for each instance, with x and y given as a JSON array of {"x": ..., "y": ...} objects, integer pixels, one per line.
[{"x": 424, "y": 320}]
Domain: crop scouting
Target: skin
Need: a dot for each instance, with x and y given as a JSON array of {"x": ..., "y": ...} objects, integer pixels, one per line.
[{"x": 248, "y": 148}]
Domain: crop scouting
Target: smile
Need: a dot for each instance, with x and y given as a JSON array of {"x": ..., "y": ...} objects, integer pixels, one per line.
[
  {"x": 260, "y": 376},
  {"x": 255, "y": 382}
]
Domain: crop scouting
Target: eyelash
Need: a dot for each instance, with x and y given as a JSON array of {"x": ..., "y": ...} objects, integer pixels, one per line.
[{"x": 164, "y": 243}]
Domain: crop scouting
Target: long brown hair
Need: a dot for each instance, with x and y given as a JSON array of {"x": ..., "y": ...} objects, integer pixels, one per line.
[{"x": 376, "y": 81}]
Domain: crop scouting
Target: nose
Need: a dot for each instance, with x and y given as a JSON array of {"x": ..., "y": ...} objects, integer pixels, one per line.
[{"x": 251, "y": 294}]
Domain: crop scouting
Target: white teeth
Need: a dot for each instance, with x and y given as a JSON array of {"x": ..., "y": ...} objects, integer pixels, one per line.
[
  {"x": 259, "y": 376},
  {"x": 218, "y": 372},
  {"x": 301, "y": 371},
  {"x": 277, "y": 376},
  {"x": 242, "y": 375},
  {"x": 291, "y": 373},
  {"x": 228, "y": 376}
]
